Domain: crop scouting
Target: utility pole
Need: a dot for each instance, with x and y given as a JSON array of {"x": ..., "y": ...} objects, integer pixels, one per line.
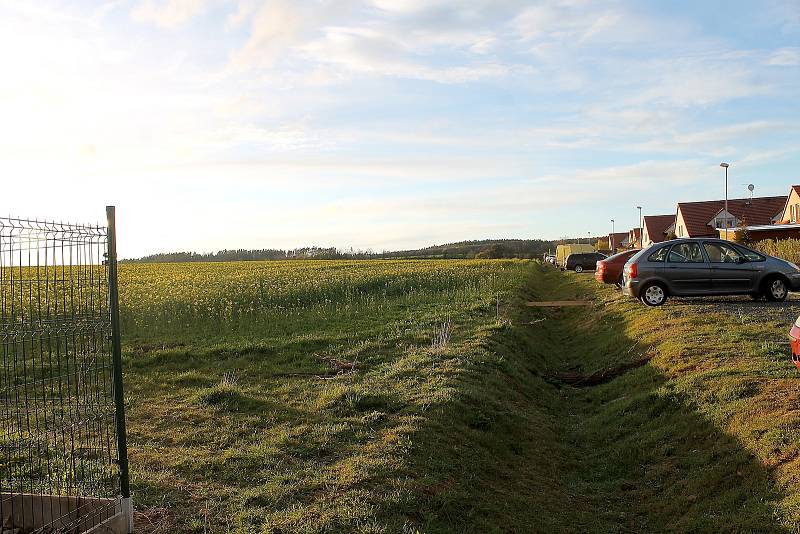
[
  {"x": 725, "y": 166},
  {"x": 611, "y": 241},
  {"x": 640, "y": 225}
]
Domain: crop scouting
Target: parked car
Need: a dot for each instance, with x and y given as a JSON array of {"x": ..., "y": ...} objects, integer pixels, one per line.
[
  {"x": 794, "y": 333},
  {"x": 563, "y": 252},
  {"x": 549, "y": 258},
  {"x": 609, "y": 270},
  {"x": 584, "y": 261},
  {"x": 701, "y": 267}
]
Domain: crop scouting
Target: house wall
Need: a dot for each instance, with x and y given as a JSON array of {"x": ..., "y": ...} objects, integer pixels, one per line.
[
  {"x": 680, "y": 225},
  {"x": 794, "y": 200}
]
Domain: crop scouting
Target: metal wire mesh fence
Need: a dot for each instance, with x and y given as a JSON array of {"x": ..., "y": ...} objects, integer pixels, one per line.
[{"x": 63, "y": 464}]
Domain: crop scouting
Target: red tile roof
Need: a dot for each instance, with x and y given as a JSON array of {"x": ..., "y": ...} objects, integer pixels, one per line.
[
  {"x": 657, "y": 225},
  {"x": 760, "y": 210}
]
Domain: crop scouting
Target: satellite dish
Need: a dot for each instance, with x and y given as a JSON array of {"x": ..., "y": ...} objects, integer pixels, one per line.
[{"x": 751, "y": 187}]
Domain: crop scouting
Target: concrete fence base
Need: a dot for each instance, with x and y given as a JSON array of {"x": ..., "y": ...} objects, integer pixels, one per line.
[{"x": 24, "y": 513}]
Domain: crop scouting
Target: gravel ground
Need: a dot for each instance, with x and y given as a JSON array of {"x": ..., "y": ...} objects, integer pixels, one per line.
[
  {"x": 784, "y": 312},
  {"x": 762, "y": 310}
]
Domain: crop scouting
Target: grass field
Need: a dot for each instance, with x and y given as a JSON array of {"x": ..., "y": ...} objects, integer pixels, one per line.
[
  {"x": 288, "y": 396},
  {"x": 327, "y": 397}
]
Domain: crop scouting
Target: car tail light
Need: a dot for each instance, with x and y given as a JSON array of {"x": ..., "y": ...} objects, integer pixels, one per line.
[
  {"x": 632, "y": 270},
  {"x": 601, "y": 266}
]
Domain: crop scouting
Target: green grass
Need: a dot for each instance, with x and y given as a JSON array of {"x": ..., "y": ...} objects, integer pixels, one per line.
[
  {"x": 239, "y": 425},
  {"x": 247, "y": 430}
]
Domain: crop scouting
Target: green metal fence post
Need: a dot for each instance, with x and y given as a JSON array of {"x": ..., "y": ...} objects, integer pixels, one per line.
[{"x": 116, "y": 347}]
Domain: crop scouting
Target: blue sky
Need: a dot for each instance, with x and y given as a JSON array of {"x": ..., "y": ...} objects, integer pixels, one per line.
[{"x": 389, "y": 123}]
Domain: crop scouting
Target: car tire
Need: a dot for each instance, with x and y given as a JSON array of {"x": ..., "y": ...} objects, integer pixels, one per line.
[
  {"x": 653, "y": 294},
  {"x": 776, "y": 289},
  {"x": 621, "y": 281},
  {"x": 579, "y": 268}
]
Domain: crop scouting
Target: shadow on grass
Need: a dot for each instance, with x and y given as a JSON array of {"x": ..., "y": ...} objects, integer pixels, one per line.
[{"x": 512, "y": 452}]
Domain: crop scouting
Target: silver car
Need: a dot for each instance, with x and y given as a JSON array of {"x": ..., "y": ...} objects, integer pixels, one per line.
[{"x": 704, "y": 267}]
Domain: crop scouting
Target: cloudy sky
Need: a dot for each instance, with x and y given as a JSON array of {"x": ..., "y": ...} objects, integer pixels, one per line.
[{"x": 389, "y": 123}]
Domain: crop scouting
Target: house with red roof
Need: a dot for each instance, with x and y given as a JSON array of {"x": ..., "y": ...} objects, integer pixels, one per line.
[
  {"x": 615, "y": 240},
  {"x": 633, "y": 239},
  {"x": 655, "y": 228},
  {"x": 785, "y": 225},
  {"x": 705, "y": 219}
]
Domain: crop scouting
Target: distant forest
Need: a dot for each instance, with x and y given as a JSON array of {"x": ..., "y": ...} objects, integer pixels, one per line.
[{"x": 487, "y": 248}]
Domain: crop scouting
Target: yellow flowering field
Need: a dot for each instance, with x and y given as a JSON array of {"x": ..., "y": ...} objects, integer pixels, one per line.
[{"x": 246, "y": 297}]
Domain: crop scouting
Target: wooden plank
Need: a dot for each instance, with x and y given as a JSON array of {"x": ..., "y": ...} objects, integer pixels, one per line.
[{"x": 560, "y": 303}]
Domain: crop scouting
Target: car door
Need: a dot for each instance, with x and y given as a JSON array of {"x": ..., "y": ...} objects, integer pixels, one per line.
[
  {"x": 731, "y": 272},
  {"x": 686, "y": 270}
]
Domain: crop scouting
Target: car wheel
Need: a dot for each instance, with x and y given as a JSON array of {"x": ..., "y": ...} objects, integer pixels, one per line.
[
  {"x": 621, "y": 281},
  {"x": 579, "y": 268},
  {"x": 653, "y": 295},
  {"x": 776, "y": 289}
]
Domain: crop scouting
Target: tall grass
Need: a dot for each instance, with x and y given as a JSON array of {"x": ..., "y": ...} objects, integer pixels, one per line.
[{"x": 788, "y": 249}]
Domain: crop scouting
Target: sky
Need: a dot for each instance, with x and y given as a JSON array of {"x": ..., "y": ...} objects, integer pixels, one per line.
[{"x": 389, "y": 124}]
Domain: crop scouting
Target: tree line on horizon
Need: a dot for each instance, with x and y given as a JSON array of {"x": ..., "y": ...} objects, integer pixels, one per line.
[{"x": 486, "y": 248}]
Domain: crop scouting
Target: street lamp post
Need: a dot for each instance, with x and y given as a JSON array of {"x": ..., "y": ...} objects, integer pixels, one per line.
[
  {"x": 725, "y": 166},
  {"x": 640, "y": 224},
  {"x": 611, "y": 241}
]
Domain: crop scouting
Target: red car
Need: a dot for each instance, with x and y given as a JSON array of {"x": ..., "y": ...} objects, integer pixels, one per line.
[
  {"x": 609, "y": 270},
  {"x": 794, "y": 333}
]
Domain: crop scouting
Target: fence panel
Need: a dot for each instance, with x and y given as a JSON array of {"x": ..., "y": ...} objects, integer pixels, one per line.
[{"x": 63, "y": 462}]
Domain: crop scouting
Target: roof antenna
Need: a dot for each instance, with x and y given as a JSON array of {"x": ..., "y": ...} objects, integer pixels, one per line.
[{"x": 750, "y": 188}]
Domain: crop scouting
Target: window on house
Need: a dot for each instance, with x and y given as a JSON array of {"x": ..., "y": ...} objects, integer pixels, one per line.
[{"x": 724, "y": 222}]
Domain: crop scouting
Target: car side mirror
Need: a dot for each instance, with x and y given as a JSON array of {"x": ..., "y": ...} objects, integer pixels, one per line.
[{"x": 742, "y": 259}]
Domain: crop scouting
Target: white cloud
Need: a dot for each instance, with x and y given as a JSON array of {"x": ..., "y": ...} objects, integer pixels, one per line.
[
  {"x": 685, "y": 82},
  {"x": 785, "y": 57},
  {"x": 719, "y": 141},
  {"x": 279, "y": 25},
  {"x": 579, "y": 22},
  {"x": 168, "y": 13},
  {"x": 387, "y": 44},
  {"x": 367, "y": 51}
]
